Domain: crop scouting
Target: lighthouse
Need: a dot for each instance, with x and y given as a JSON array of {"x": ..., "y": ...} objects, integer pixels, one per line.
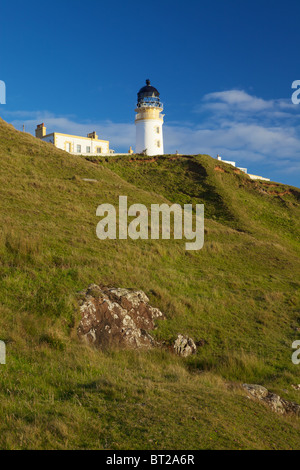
[{"x": 149, "y": 121}]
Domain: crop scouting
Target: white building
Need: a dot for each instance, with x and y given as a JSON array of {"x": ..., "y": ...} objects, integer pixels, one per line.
[
  {"x": 74, "y": 144},
  {"x": 149, "y": 121},
  {"x": 253, "y": 177},
  {"x": 226, "y": 161}
]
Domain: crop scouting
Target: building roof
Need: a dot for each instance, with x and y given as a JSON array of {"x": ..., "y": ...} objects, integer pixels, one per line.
[{"x": 74, "y": 136}]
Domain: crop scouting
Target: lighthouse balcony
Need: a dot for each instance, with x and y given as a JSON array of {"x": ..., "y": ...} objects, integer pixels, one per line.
[{"x": 148, "y": 102}]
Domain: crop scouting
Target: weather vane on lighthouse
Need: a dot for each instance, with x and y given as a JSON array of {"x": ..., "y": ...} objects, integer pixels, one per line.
[{"x": 149, "y": 121}]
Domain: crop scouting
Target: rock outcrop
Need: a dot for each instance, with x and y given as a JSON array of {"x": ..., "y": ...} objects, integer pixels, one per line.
[
  {"x": 296, "y": 387},
  {"x": 275, "y": 402},
  {"x": 184, "y": 346},
  {"x": 117, "y": 318}
]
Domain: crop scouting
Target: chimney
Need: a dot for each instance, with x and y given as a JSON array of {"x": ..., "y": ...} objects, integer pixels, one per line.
[
  {"x": 40, "y": 131},
  {"x": 92, "y": 135}
]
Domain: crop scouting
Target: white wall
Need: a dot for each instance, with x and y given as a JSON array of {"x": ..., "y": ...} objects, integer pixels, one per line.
[
  {"x": 255, "y": 177},
  {"x": 63, "y": 140},
  {"x": 147, "y": 136},
  {"x": 49, "y": 138},
  {"x": 229, "y": 162}
]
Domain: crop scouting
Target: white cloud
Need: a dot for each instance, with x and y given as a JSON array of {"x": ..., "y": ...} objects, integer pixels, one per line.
[
  {"x": 235, "y": 99},
  {"x": 250, "y": 141},
  {"x": 247, "y": 129},
  {"x": 120, "y": 135}
]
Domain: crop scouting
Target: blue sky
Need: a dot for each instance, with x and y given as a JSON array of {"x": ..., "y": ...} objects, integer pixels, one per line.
[{"x": 224, "y": 70}]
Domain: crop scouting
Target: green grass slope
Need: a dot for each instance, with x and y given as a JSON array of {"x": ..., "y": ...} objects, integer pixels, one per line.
[{"x": 240, "y": 294}]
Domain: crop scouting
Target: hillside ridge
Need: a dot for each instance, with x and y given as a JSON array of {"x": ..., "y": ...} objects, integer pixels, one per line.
[{"x": 238, "y": 296}]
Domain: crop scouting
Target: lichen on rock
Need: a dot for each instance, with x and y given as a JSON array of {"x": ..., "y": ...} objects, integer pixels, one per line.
[
  {"x": 117, "y": 318},
  {"x": 275, "y": 402}
]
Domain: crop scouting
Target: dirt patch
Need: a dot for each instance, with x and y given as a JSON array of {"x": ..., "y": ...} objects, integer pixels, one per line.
[
  {"x": 274, "y": 193},
  {"x": 218, "y": 168}
]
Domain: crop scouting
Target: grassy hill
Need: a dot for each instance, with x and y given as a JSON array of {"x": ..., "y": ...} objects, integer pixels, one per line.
[{"x": 240, "y": 294}]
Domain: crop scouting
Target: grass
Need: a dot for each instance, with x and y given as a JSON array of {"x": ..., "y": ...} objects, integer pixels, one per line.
[{"x": 240, "y": 294}]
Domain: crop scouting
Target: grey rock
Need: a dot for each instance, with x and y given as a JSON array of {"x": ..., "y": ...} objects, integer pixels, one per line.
[
  {"x": 184, "y": 346},
  {"x": 296, "y": 387},
  {"x": 257, "y": 391},
  {"x": 275, "y": 402}
]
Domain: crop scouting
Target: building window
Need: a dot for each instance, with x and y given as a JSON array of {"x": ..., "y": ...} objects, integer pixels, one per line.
[
  {"x": 88, "y": 150},
  {"x": 68, "y": 147},
  {"x": 78, "y": 148},
  {"x": 99, "y": 150},
  {"x": 158, "y": 143},
  {"x": 157, "y": 130}
]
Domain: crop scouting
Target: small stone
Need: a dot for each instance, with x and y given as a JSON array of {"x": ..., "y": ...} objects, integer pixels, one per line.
[
  {"x": 257, "y": 391},
  {"x": 184, "y": 346},
  {"x": 296, "y": 387},
  {"x": 275, "y": 403}
]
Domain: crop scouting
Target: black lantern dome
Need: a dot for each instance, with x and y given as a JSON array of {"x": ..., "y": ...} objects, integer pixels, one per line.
[{"x": 148, "y": 96}]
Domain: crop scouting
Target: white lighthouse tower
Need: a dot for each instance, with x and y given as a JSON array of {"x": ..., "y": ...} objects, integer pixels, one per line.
[{"x": 149, "y": 121}]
